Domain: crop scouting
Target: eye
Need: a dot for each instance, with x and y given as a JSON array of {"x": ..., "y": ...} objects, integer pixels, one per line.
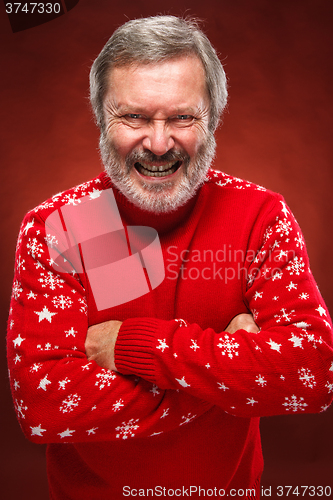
[
  {"x": 134, "y": 119},
  {"x": 134, "y": 116},
  {"x": 183, "y": 120}
]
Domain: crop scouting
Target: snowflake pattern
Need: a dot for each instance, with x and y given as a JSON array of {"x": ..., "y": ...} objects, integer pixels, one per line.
[
  {"x": 62, "y": 302},
  {"x": 104, "y": 378},
  {"x": 20, "y": 408},
  {"x": 117, "y": 405},
  {"x": 186, "y": 419},
  {"x": 229, "y": 346},
  {"x": 307, "y": 378},
  {"x": 50, "y": 307},
  {"x": 50, "y": 280},
  {"x": 283, "y": 227},
  {"x": 127, "y": 429},
  {"x": 34, "y": 248},
  {"x": 294, "y": 404},
  {"x": 296, "y": 266},
  {"x": 71, "y": 402},
  {"x": 17, "y": 290}
]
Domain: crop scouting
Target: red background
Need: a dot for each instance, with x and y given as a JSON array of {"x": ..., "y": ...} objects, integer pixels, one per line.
[{"x": 277, "y": 132}]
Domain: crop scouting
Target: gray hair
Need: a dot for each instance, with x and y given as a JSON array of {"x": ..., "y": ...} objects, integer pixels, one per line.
[{"x": 152, "y": 40}]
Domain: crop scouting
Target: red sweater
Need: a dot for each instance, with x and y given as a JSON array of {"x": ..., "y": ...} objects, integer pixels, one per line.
[{"x": 182, "y": 414}]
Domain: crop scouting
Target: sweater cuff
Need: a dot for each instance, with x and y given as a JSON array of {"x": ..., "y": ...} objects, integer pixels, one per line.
[{"x": 134, "y": 348}]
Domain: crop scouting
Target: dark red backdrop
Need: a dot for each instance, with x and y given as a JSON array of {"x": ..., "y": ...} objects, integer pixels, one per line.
[{"x": 277, "y": 132}]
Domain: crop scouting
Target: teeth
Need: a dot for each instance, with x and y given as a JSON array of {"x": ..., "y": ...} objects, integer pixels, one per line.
[{"x": 157, "y": 171}]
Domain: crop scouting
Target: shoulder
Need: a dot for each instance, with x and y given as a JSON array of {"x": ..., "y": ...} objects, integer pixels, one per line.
[
  {"x": 72, "y": 196},
  {"x": 226, "y": 186}
]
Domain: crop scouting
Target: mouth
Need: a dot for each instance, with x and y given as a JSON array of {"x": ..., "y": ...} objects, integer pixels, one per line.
[{"x": 157, "y": 170}]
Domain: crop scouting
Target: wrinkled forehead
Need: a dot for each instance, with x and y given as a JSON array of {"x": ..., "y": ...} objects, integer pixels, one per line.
[{"x": 182, "y": 78}]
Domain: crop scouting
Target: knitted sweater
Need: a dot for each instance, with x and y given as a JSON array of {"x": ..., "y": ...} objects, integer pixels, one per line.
[{"x": 182, "y": 411}]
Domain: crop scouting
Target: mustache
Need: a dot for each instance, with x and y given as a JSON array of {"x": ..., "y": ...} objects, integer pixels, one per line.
[{"x": 149, "y": 157}]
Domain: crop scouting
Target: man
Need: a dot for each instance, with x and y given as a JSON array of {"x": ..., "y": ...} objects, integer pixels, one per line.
[{"x": 162, "y": 396}]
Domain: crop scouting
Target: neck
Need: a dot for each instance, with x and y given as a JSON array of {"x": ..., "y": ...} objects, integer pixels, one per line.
[{"x": 134, "y": 215}]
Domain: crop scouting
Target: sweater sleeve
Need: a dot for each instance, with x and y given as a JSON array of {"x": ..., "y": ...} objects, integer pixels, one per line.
[
  {"x": 285, "y": 368},
  {"x": 58, "y": 395}
]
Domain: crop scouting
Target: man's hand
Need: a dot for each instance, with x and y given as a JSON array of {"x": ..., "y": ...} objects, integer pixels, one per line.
[
  {"x": 100, "y": 343},
  {"x": 242, "y": 322}
]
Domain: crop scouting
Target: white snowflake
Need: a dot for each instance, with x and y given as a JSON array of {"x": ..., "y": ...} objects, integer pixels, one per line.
[
  {"x": 50, "y": 280},
  {"x": 329, "y": 387},
  {"x": 181, "y": 322},
  {"x": 92, "y": 431},
  {"x": 155, "y": 390},
  {"x": 20, "y": 408},
  {"x": 299, "y": 241},
  {"x": 162, "y": 344},
  {"x": 62, "y": 383},
  {"x": 28, "y": 226},
  {"x": 117, "y": 405},
  {"x": 222, "y": 386},
  {"x": 283, "y": 227},
  {"x": 277, "y": 276},
  {"x": 293, "y": 404},
  {"x": 291, "y": 286},
  {"x": 51, "y": 240},
  {"x": 62, "y": 302},
  {"x": 282, "y": 254},
  {"x": 84, "y": 306},
  {"x": 35, "y": 367},
  {"x": 187, "y": 418},
  {"x": 20, "y": 264},
  {"x": 194, "y": 345},
  {"x": 71, "y": 402},
  {"x": 34, "y": 248},
  {"x": 17, "y": 290},
  {"x": 69, "y": 199},
  {"x": 42, "y": 206},
  {"x": 284, "y": 315},
  {"x": 127, "y": 429},
  {"x": 104, "y": 378},
  {"x": 296, "y": 266},
  {"x": 261, "y": 381},
  {"x": 304, "y": 296},
  {"x": 310, "y": 337},
  {"x": 165, "y": 413},
  {"x": 229, "y": 346},
  {"x": 257, "y": 295},
  {"x": 307, "y": 378},
  {"x": 251, "y": 401}
]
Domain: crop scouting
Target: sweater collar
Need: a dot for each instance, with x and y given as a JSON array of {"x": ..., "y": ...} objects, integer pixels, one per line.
[{"x": 133, "y": 215}]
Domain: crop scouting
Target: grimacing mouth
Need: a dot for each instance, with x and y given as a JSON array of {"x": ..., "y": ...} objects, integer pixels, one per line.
[{"x": 157, "y": 170}]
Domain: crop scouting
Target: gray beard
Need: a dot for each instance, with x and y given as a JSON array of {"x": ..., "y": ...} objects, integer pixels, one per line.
[{"x": 155, "y": 197}]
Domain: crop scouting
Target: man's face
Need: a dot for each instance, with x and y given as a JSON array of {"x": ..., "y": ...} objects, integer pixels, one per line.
[{"x": 156, "y": 147}]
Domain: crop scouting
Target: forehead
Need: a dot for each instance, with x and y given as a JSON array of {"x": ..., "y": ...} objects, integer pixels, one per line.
[{"x": 178, "y": 83}]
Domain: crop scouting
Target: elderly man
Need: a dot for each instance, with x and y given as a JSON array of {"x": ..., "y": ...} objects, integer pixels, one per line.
[{"x": 224, "y": 324}]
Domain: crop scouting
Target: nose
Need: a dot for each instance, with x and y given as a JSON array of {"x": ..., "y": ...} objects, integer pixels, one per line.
[{"x": 158, "y": 138}]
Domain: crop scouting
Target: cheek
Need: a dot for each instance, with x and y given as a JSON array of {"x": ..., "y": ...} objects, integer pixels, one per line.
[{"x": 123, "y": 141}]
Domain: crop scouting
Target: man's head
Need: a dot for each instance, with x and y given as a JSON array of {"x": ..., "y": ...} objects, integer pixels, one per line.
[{"x": 158, "y": 90}]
